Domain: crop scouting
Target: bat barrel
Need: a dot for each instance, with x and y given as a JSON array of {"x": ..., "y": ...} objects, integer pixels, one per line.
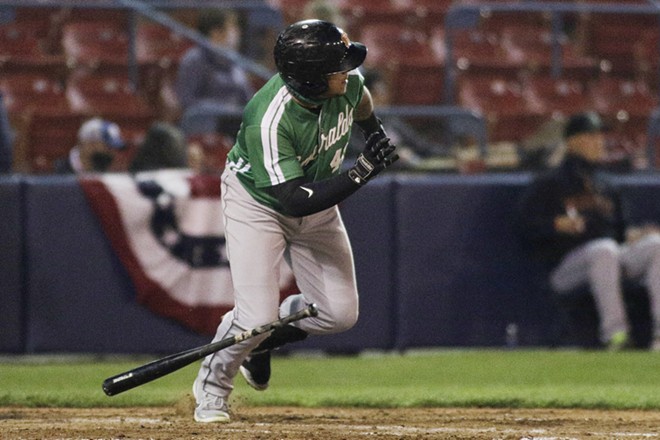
[{"x": 160, "y": 367}]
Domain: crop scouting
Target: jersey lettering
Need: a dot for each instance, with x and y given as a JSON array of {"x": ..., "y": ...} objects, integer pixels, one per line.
[{"x": 344, "y": 122}]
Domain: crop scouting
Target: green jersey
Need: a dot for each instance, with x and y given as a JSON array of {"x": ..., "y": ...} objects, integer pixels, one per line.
[{"x": 279, "y": 140}]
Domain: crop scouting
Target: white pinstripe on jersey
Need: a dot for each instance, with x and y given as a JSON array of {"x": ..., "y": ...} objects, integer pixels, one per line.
[{"x": 269, "y": 125}]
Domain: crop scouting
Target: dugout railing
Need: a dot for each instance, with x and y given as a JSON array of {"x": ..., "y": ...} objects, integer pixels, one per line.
[{"x": 461, "y": 123}]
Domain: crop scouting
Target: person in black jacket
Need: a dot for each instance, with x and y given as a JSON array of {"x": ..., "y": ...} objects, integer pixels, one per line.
[{"x": 573, "y": 220}]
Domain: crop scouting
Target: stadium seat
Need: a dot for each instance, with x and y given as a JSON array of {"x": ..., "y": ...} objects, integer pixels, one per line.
[
  {"x": 416, "y": 84},
  {"x": 22, "y": 50},
  {"x": 95, "y": 43},
  {"x": 506, "y": 104},
  {"x": 612, "y": 95},
  {"x": 559, "y": 96},
  {"x": 291, "y": 9},
  {"x": 479, "y": 51},
  {"x": 29, "y": 93},
  {"x": 495, "y": 21},
  {"x": 397, "y": 44},
  {"x": 157, "y": 45},
  {"x": 106, "y": 15},
  {"x": 620, "y": 39},
  {"x": 158, "y": 51},
  {"x": 46, "y": 139},
  {"x": 412, "y": 67},
  {"x": 111, "y": 96},
  {"x": 214, "y": 148},
  {"x": 534, "y": 48},
  {"x": 431, "y": 13}
]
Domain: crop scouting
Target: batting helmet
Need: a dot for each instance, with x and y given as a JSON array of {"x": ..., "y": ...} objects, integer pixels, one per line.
[{"x": 306, "y": 51}]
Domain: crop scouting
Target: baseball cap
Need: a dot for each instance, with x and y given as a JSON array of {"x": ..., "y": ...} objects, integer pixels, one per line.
[
  {"x": 98, "y": 129},
  {"x": 588, "y": 122}
]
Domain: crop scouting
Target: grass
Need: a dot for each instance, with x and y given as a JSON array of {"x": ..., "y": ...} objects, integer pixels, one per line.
[{"x": 482, "y": 378}]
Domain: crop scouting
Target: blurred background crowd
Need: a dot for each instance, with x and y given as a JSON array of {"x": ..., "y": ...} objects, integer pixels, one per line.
[{"x": 469, "y": 86}]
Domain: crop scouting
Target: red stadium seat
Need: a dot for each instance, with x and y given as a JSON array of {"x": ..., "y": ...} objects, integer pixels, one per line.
[
  {"x": 22, "y": 50},
  {"x": 620, "y": 40},
  {"x": 506, "y": 103},
  {"x": 46, "y": 139},
  {"x": 559, "y": 96},
  {"x": 33, "y": 93},
  {"x": 396, "y": 44},
  {"x": 291, "y": 9},
  {"x": 111, "y": 96},
  {"x": 416, "y": 84},
  {"x": 623, "y": 100},
  {"x": 534, "y": 48},
  {"x": 95, "y": 43},
  {"x": 413, "y": 67},
  {"x": 156, "y": 44},
  {"x": 480, "y": 51},
  {"x": 214, "y": 148}
]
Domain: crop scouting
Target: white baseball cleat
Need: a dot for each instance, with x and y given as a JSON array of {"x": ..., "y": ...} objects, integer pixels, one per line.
[{"x": 210, "y": 408}]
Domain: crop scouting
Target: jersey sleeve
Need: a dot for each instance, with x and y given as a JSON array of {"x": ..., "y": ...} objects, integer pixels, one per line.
[{"x": 355, "y": 88}]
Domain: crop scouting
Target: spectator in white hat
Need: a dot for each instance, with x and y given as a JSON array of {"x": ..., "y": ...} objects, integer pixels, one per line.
[{"x": 98, "y": 141}]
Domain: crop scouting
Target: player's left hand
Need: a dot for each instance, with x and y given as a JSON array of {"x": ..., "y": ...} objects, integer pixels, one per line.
[{"x": 379, "y": 153}]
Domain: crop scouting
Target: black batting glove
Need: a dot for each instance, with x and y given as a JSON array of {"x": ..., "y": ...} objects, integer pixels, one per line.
[{"x": 378, "y": 154}]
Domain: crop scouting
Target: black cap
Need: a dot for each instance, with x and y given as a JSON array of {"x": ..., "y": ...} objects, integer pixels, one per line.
[{"x": 588, "y": 122}]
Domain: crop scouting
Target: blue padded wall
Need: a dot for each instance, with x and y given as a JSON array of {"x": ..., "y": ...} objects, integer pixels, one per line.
[
  {"x": 11, "y": 265},
  {"x": 79, "y": 297},
  {"x": 462, "y": 275},
  {"x": 437, "y": 258}
]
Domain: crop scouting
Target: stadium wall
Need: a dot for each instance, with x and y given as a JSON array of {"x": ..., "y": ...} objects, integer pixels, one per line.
[{"x": 438, "y": 265}]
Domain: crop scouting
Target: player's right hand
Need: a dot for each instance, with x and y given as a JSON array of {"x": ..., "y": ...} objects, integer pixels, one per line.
[
  {"x": 570, "y": 224},
  {"x": 378, "y": 154}
]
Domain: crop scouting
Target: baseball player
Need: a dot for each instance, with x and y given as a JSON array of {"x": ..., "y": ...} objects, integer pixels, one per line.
[{"x": 283, "y": 180}]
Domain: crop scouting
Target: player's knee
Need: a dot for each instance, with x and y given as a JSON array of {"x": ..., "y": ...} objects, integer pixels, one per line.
[
  {"x": 605, "y": 251},
  {"x": 341, "y": 317},
  {"x": 654, "y": 242}
]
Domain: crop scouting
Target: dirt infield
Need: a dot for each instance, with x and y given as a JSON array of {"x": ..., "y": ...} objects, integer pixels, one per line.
[{"x": 261, "y": 423}]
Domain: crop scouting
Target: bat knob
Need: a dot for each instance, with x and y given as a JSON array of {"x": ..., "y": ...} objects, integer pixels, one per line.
[{"x": 312, "y": 310}]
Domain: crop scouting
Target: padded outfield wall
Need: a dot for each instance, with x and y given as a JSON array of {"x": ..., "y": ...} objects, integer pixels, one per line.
[{"x": 438, "y": 265}]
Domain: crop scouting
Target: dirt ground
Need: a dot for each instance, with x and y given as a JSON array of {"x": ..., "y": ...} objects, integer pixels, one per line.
[{"x": 261, "y": 423}]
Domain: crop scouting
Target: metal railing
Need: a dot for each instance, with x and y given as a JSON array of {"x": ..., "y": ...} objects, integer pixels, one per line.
[
  {"x": 467, "y": 16},
  {"x": 150, "y": 10}
]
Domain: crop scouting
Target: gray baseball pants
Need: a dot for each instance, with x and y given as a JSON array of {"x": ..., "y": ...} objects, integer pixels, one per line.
[
  {"x": 601, "y": 264},
  {"x": 257, "y": 238}
]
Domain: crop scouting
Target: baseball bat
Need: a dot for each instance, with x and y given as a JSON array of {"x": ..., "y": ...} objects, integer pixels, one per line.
[{"x": 163, "y": 366}]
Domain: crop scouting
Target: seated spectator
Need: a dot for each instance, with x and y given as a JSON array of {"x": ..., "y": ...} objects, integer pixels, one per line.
[
  {"x": 206, "y": 79},
  {"x": 573, "y": 221},
  {"x": 163, "y": 147},
  {"x": 98, "y": 141}
]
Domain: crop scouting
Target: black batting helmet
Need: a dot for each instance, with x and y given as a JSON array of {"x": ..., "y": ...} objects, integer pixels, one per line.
[{"x": 306, "y": 51}]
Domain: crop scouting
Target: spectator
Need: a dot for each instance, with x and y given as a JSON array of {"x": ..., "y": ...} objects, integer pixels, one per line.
[
  {"x": 163, "y": 147},
  {"x": 574, "y": 221},
  {"x": 6, "y": 139},
  {"x": 98, "y": 141},
  {"x": 208, "y": 80}
]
